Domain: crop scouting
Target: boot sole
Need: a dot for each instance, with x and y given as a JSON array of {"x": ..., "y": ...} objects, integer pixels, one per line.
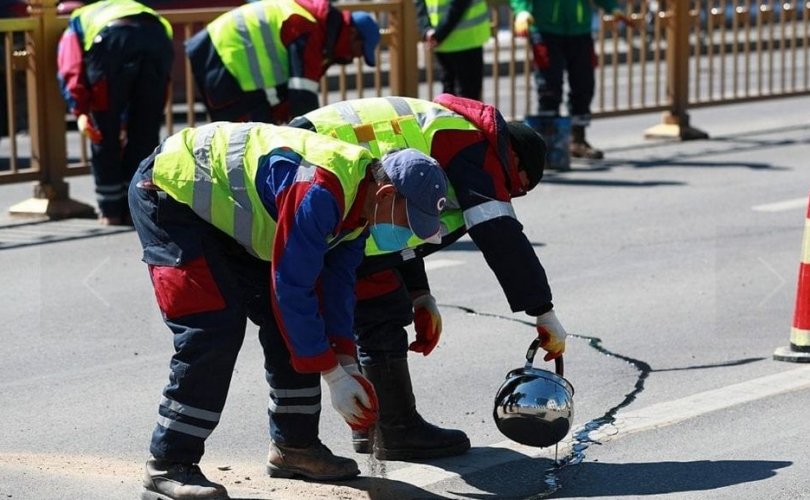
[
  {"x": 274, "y": 471},
  {"x": 153, "y": 495},
  {"x": 419, "y": 454}
]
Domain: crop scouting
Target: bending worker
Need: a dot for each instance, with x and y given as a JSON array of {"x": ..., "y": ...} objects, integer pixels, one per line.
[
  {"x": 263, "y": 61},
  {"x": 487, "y": 162},
  {"x": 114, "y": 62},
  {"x": 269, "y": 223}
]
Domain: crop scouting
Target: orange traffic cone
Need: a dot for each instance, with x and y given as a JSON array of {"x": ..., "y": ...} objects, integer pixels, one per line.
[{"x": 799, "y": 349}]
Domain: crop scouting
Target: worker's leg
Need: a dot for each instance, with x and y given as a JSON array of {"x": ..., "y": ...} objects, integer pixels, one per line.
[
  {"x": 196, "y": 291},
  {"x": 152, "y": 60},
  {"x": 294, "y": 410},
  {"x": 383, "y": 311}
]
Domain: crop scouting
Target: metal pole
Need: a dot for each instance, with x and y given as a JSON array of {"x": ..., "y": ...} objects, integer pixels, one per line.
[
  {"x": 675, "y": 122},
  {"x": 46, "y": 113}
]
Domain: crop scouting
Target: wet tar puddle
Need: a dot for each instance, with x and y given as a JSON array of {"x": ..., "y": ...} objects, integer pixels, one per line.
[{"x": 581, "y": 439}]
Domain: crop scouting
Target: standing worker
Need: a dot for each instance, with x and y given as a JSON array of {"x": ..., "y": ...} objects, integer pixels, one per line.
[
  {"x": 560, "y": 34},
  {"x": 114, "y": 64},
  {"x": 269, "y": 223},
  {"x": 263, "y": 61},
  {"x": 487, "y": 162},
  {"x": 457, "y": 31}
]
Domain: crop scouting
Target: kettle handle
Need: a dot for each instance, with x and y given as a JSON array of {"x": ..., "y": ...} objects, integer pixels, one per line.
[{"x": 559, "y": 366}]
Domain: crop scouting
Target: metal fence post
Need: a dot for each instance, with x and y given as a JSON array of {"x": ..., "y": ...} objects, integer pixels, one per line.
[
  {"x": 404, "y": 72},
  {"x": 675, "y": 122},
  {"x": 46, "y": 116}
]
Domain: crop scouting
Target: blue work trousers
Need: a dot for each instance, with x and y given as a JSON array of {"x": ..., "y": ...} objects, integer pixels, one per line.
[
  {"x": 207, "y": 287},
  {"x": 128, "y": 68}
]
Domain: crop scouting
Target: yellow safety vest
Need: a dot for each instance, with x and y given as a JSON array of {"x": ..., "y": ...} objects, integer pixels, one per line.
[
  {"x": 212, "y": 169},
  {"x": 96, "y": 16},
  {"x": 248, "y": 41},
  {"x": 381, "y": 124},
  {"x": 473, "y": 29}
]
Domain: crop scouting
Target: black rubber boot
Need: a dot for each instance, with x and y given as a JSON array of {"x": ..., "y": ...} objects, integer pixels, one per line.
[
  {"x": 580, "y": 147},
  {"x": 401, "y": 433}
]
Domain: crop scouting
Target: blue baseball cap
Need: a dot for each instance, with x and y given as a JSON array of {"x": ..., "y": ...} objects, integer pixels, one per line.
[
  {"x": 421, "y": 180},
  {"x": 369, "y": 31}
]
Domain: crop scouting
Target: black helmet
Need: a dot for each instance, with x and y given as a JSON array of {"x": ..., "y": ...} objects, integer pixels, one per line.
[{"x": 530, "y": 149}]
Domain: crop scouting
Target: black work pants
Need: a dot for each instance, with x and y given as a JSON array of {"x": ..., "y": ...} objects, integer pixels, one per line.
[
  {"x": 128, "y": 68},
  {"x": 571, "y": 54},
  {"x": 462, "y": 72}
]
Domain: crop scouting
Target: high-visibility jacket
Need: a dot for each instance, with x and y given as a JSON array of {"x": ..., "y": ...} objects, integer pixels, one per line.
[
  {"x": 472, "y": 30},
  {"x": 95, "y": 17},
  {"x": 562, "y": 17},
  {"x": 248, "y": 41},
  {"x": 290, "y": 197},
  {"x": 213, "y": 169},
  {"x": 383, "y": 124},
  {"x": 471, "y": 142}
]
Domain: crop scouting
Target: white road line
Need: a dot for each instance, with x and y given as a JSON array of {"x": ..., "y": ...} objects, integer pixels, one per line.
[
  {"x": 781, "y": 206},
  {"x": 439, "y": 263},
  {"x": 652, "y": 417}
]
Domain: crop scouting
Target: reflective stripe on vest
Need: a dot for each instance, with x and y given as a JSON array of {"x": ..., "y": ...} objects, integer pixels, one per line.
[
  {"x": 380, "y": 124},
  {"x": 213, "y": 170},
  {"x": 96, "y": 16},
  {"x": 248, "y": 41},
  {"x": 473, "y": 29}
]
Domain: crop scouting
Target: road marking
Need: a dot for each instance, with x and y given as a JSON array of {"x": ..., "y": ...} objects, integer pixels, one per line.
[
  {"x": 781, "y": 206},
  {"x": 440, "y": 263},
  {"x": 652, "y": 417}
]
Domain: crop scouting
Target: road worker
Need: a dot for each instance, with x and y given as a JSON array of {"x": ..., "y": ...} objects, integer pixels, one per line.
[
  {"x": 487, "y": 162},
  {"x": 562, "y": 43},
  {"x": 248, "y": 220},
  {"x": 263, "y": 61},
  {"x": 114, "y": 63}
]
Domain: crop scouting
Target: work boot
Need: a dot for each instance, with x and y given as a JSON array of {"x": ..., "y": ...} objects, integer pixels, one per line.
[
  {"x": 314, "y": 462},
  {"x": 579, "y": 146},
  {"x": 401, "y": 433},
  {"x": 175, "y": 481}
]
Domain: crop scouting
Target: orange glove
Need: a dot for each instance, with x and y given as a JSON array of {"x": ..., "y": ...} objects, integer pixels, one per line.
[
  {"x": 86, "y": 128},
  {"x": 522, "y": 22},
  {"x": 552, "y": 334},
  {"x": 428, "y": 324}
]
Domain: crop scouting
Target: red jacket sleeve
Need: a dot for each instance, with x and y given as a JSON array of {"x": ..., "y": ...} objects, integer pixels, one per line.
[
  {"x": 70, "y": 66},
  {"x": 305, "y": 44}
]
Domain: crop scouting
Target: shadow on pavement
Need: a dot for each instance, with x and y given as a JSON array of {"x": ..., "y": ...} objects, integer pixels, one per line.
[
  {"x": 594, "y": 479},
  {"x": 41, "y": 232},
  {"x": 470, "y": 246}
]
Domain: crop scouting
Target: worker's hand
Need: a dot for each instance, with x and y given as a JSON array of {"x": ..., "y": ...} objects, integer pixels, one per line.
[
  {"x": 349, "y": 363},
  {"x": 552, "y": 334},
  {"x": 620, "y": 15},
  {"x": 522, "y": 22},
  {"x": 427, "y": 322},
  {"x": 86, "y": 128},
  {"x": 353, "y": 396},
  {"x": 430, "y": 38}
]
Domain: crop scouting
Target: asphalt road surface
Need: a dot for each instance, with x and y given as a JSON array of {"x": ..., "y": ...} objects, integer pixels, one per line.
[{"x": 673, "y": 266}]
